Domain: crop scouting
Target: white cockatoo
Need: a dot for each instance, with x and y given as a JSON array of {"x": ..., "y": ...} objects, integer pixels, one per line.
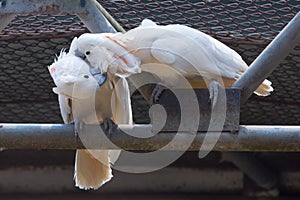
[
  {"x": 76, "y": 89},
  {"x": 197, "y": 56}
]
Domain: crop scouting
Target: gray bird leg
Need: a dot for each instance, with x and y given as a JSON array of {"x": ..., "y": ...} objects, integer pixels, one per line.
[{"x": 213, "y": 92}]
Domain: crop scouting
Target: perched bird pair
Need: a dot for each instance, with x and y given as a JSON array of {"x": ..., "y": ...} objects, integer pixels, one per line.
[{"x": 201, "y": 59}]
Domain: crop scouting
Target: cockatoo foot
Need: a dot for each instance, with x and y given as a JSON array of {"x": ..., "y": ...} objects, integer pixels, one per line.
[
  {"x": 213, "y": 92},
  {"x": 78, "y": 129},
  {"x": 109, "y": 127},
  {"x": 156, "y": 93}
]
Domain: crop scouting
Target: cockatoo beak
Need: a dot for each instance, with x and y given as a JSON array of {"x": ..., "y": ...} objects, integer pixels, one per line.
[
  {"x": 79, "y": 54},
  {"x": 97, "y": 74}
]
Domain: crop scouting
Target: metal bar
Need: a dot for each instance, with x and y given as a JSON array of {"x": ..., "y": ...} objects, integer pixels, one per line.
[
  {"x": 269, "y": 59},
  {"x": 60, "y": 136},
  {"x": 37, "y": 6},
  {"x": 206, "y": 180},
  {"x": 38, "y": 136},
  {"x": 86, "y": 10},
  {"x": 5, "y": 20},
  {"x": 110, "y": 18},
  {"x": 95, "y": 21},
  {"x": 255, "y": 170},
  {"x": 258, "y": 71}
]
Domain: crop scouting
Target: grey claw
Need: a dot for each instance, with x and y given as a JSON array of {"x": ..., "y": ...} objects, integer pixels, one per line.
[
  {"x": 156, "y": 93},
  {"x": 78, "y": 128},
  {"x": 109, "y": 127},
  {"x": 105, "y": 124},
  {"x": 76, "y": 133},
  {"x": 213, "y": 92}
]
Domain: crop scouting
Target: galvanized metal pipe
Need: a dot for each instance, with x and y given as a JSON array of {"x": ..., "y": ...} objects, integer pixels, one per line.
[
  {"x": 5, "y": 20},
  {"x": 110, "y": 18},
  {"x": 253, "y": 168},
  {"x": 258, "y": 71},
  {"x": 38, "y": 7},
  {"x": 269, "y": 59},
  {"x": 86, "y": 10},
  {"x": 95, "y": 21},
  {"x": 61, "y": 136},
  {"x": 37, "y": 136}
]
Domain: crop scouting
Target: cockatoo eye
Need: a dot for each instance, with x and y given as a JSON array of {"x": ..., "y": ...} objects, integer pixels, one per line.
[
  {"x": 87, "y": 53},
  {"x": 86, "y": 76}
]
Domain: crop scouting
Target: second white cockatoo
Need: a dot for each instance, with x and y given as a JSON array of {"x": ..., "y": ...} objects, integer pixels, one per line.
[
  {"x": 86, "y": 100},
  {"x": 197, "y": 56}
]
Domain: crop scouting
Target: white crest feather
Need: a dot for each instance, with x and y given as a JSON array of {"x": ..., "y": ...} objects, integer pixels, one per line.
[{"x": 61, "y": 55}]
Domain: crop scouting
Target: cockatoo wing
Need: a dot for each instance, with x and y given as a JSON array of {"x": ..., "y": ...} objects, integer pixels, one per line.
[
  {"x": 189, "y": 51},
  {"x": 65, "y": 109},
  {"x": 158, "y": 44},
  {"x": 228, "y": 62},
  {"x": 121, "y": 109},
  {"x": 121, "y": 104}
]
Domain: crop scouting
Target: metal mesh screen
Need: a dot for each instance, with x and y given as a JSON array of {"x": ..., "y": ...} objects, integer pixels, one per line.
[
  {"x": 26, "y": 94},
  {"x": 25, "y": 27},
  {"x": 255, "y": 21},
  {"x": 29, "y": 44}
]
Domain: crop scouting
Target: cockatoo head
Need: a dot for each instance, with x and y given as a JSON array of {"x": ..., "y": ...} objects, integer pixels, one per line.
[
  {"x": 72, "y": 77},
  {"x": 91, "y": 49},
  {"x": 103, "y": 53}
]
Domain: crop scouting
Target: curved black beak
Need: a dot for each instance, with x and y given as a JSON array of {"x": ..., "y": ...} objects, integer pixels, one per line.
[
  {"x": 79, "y": 54},
  {"x": 96, "y": 73}
]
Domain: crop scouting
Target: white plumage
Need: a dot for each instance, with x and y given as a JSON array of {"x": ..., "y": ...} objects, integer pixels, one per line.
[
  {"x": 194, "y": 54},
  {"x": 76, "y": 89}
]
